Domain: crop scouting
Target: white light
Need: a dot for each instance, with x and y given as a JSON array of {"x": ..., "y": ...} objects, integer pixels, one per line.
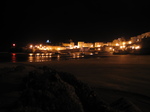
[
  {"x": 76, "y": 46},
  {"x": 138, "y": 47},
  {"x": 117, "y": 44},
  {"x": 31, "y": 46},
  {"x": 91, "y": 53},
  {"x": 31, "y": 54},
  {"x": 47, "y": 41},
  {"x": 38, "y": 54}
]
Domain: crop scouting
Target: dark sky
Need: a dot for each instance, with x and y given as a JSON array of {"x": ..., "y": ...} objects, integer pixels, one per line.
[{"x": 34, "y": 21}]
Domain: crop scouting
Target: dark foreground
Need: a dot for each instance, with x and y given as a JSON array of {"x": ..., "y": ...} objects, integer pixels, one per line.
[
  {"x": 46, "y": 90},
  {"x": 118, "y": 83}
]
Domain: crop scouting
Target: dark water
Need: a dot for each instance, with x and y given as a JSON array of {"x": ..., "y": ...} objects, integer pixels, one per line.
[
  {"x": 39, "y": 57},
  {"x": 44, "y": 57}
]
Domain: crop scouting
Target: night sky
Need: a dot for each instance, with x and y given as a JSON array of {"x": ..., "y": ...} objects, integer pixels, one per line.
[{"x": 36, "y": 21}]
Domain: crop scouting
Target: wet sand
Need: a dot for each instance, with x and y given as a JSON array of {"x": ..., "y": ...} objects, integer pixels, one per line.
[{"x": 112, "y": 77}]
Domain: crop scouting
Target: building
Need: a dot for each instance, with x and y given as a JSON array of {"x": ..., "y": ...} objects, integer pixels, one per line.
[
  {"x": 99, "y": 44},
  {"x": 80, "y": 44},
  {"x": 83, "y": 44},
  {"x": 68, "y": 45}
]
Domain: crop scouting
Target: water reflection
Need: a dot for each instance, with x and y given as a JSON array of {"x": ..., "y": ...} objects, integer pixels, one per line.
[
  {"x": 42, "y": 57},
  {"x": 13, "y": 58},
  {"x": 58, "y": 57},
  {"x": 77, "y": 55},
  {"x": 30, "y": 58},
  {"x": 39, "y": 57}
]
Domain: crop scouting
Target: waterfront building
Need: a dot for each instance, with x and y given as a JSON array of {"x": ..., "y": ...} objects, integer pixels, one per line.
[
  {"x": 89, "y": 45},
  {"x": 108, "y": 49},
  {"x": 119, "y": 44},
  {"x": 68, "y": 45},
  {"x": 109, "y": 43},
  {"x": 99, "y": 44},
  {"x": 116, "y": 42},
  {"x": 80, "y": 44},
  {"x": 83, "y": 44}
]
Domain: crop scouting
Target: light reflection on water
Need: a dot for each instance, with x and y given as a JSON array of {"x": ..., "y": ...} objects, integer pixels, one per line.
[
  {"x": 13, "y": 57},
  {"x": 42, "y": 57},
  {"x": 39, "y": 57}
]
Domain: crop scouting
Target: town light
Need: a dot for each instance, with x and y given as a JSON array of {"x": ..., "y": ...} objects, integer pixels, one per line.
[
  {"x": 31, "y": 46},
  {"x": 123, "y": 43},
  {"x": 76, "y": 46},
  {"x": 38, "y": 54},
  {"x": 137, "y": 47},
  {"x": 31, "y": 54},
  {"x": 117, "y": 44},
  {"x": 129, "y": 42},
  {"x": 133, "y": 47}
]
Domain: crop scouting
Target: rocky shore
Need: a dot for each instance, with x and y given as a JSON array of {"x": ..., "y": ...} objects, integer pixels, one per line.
[{"x": 42, "y": 89}]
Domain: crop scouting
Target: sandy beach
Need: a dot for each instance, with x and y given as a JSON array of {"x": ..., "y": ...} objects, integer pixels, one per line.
[{"x": 111, "y": 77}]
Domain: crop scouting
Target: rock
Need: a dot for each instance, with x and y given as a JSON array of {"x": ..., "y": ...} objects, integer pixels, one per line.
[
  {"x": 49, "y": 93},
  {"x": 46, "y": 90}
]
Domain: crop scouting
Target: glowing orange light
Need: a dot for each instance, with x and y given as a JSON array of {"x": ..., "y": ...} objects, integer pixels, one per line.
[
  {"x": 138, "y": 47},
  {"x": 129, "y": 42},
  {"x": 117, "y": 44},
  {"x": 31, "y": 54},
  {"x": 123, "y": 43}
]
